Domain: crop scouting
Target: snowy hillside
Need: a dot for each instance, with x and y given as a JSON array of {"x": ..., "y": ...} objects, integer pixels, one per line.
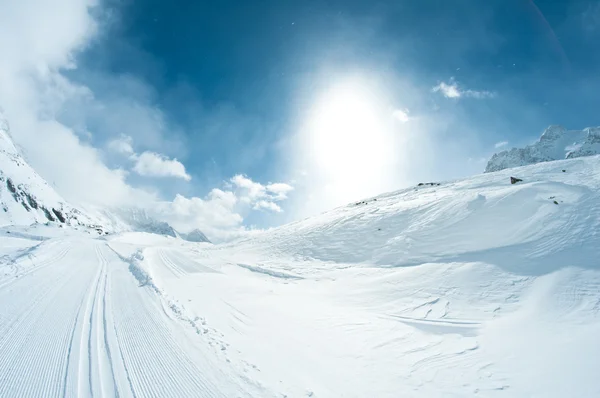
[
  {"x": 474, "y": 287},
  {"x": 555, "y": 143},
  {"x": 25, "y": 197}
]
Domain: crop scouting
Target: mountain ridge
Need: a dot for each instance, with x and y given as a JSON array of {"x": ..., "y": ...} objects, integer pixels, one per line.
[{"x": 555, "y": 143}]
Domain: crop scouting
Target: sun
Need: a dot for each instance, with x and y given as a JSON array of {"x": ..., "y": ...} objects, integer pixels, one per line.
[{"x": 348, "y": 138}]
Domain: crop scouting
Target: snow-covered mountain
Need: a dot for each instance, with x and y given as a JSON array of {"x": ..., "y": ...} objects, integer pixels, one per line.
[
  {"x": 131, "y": 219},
  {"x": 25, "y": 197},
  {"x": 194, "y": 236},
  {"x": 555, "y": 143},
  {"x": 137, "y": 219}
]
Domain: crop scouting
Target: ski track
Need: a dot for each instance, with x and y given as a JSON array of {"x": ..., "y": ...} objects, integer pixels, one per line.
[{"x": 76, "y": 324}]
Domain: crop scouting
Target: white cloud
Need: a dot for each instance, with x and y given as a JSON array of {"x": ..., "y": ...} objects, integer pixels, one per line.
[
  {"x": 448, "y": 90},
  {"x": 148, "y": 164},
  {"x": 280, "y": 190},
  {"x": 501, "y": 144},
  {"x": 122, "y": 145},
  {"x": 253, "y": 190},
  {"x": 151, "y": 164},
  {"x": 38, "y": 39},
  {"x": 401, "y": 115},
  {"x": 220, "y": 215},
  {"x": 266, "y": 205},
  {"x": 452, "y": 90}
]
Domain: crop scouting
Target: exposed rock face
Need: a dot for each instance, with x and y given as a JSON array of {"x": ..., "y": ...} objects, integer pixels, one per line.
[{"x": 555, "y": 143}]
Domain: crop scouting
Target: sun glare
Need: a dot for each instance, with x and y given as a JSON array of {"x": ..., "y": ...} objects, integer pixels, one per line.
[{"x": 349, "y": 139}]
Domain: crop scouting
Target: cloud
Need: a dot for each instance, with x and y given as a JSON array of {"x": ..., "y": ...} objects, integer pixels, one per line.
[
  {"x": 401, "y": 115},
  {"x": 148, "y": 164},
  {"x": 280, "y": 190},
  {"x": 501, "y": 144},
  {"x": 151, "y": 164},
  {"x": 38, "y": 41},
  {"x": 122, "y": 145},
  {"x": 448, "y": 90},
  {"x": 452, "y": 90},
  {"x": 266, "y": 205},
  {"x": 221, "y": 213},
  {"x": 261, "y": 196},
  {"x": 253, "y": 190}
]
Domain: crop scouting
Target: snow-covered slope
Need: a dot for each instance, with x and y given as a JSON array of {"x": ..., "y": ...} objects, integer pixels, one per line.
[
  {"x": 25, "y": 197},
  {"x": 555, "y": 143},
  {"x": 474, "y": 287}
]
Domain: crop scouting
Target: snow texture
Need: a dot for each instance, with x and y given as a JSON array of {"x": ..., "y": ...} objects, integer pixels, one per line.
[{"x": 473, "y": 287}]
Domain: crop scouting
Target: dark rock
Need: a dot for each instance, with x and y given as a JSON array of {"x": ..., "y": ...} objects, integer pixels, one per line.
[
  {"x": 11, "y": 187},
  {"x": 32, "y": 201},
  {"x": 59, "y": 215},
  {"x": 48, "y": 214},
  {"x": 514, "y": 180}
]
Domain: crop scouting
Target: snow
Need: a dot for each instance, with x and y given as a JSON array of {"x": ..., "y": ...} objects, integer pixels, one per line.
[
  {"x": 470, "y": 287},
  {"x": 555, "y": 143}
]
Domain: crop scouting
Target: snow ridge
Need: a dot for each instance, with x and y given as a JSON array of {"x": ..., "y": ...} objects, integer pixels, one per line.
[{"x": 555, "y": 143}]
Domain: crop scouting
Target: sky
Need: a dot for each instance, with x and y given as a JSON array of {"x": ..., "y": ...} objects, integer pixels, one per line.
[{"x": 233, "y": 116}]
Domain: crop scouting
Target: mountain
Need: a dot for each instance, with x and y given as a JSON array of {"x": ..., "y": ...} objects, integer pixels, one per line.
[
  {"x": 555, "y": 143},
  {"x": 194, "y": 236},
  {"x": 137, "y": 219},
  {"x": 25, "y": 197},
  {"x": 131, "y": 219}
]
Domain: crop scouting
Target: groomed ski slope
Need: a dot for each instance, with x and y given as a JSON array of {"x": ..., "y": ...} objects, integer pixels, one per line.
[{"x": 473, "y": 287}]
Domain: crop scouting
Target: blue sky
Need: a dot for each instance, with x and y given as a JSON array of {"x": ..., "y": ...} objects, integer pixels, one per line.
[{"x": 255, "y": 88}]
